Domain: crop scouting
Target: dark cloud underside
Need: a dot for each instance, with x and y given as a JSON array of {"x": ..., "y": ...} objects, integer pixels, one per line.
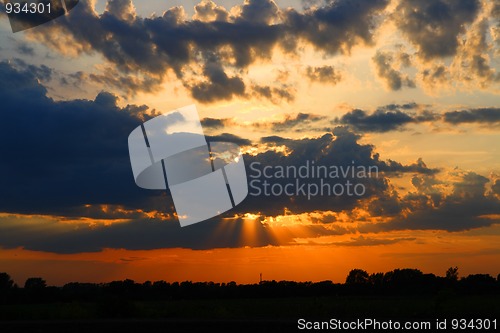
[
  {"x": 69, "y": 159},
  {"x": 434, "y": 26},
  {"x": 221, "y": 44},
  {"x": 483, "y": 115},
  {"x": 397, "y": 117}
]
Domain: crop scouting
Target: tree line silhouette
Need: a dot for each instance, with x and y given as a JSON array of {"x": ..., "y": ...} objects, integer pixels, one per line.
[{"x": 358, "y": 282}]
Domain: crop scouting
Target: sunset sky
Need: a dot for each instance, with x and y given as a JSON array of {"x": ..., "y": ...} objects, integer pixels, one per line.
[{"x": 411, "y": 87}]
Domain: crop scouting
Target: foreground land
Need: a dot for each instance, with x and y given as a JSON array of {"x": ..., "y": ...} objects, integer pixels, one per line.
[
  {"x": 290, "y": 308},
  {"x": 243, "y": 315},
  {"x": 269, "y": 306}
]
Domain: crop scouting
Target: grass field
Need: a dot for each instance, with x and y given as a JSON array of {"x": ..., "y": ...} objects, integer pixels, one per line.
[{"x": 262, "y": 308}]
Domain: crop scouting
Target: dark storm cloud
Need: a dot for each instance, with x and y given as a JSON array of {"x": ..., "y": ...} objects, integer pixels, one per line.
[
  {"x": 218, "y": 86},
  {"x": 483, "y": 115},
  {"x": 419, "y": 166},
  {"x": 496, "y": 187},
  {"x": 69, "y": 154},
  {"x": 434, "y": 26},
  {"x": 301, "y": 120},
  {"x": 227, "y": 137},
  {"x": 69, "y": 159},
  {"x": 20, "y": 86},
  {"x": 394, "y": 79},
  {"x": 406, "y": 106},
  {"x": 336, "y": 26},
  {"x": 429, "y": 208},
  {"x": 144, "y": 234},
  {"x": 325, "y": 74},
  {"x": 63, "y": 155},
  {"x": 378, "y": 121},
  {"x": 152, "y": 46},
  {"x": 396, "y": 116},
  {"x": 215, "y": 123},
  {"x": 88, "y": 184},
  {"x": 140, "y": 111},
  {"x": 136, "y": 235},
  {"x": 460, "y": 210},
  {"x": 339, "y": 149}
]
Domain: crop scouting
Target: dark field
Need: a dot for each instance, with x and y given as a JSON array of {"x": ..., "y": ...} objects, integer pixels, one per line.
[
  {"x": 263, "y": 308},
  {"x": 243, "y": 315},
  {"x": 270, "y": 306}
]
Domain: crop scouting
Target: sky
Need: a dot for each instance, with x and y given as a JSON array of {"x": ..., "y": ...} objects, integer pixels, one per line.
[{"x": 409, "y": 87}]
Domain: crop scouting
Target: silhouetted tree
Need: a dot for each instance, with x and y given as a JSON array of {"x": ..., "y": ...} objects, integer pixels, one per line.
[
  {"x": 376, "y": 279},
  {"x": 406, "y": 279},
  {"x": 35, "y": 283},
  {"x": 478, "y": 283},
  {"x": 6, "y": 282},
  {"x": 403, "y": 276},
  {"x": 7, "y": 290},
  {"x": 452, "y": 273},
  {"x": 357, "y": 276}
]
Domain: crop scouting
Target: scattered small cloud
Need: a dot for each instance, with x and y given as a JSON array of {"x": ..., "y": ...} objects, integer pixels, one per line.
[
  {"x": 393, "y": 79},
  {"x": 324, "y": 74}
]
